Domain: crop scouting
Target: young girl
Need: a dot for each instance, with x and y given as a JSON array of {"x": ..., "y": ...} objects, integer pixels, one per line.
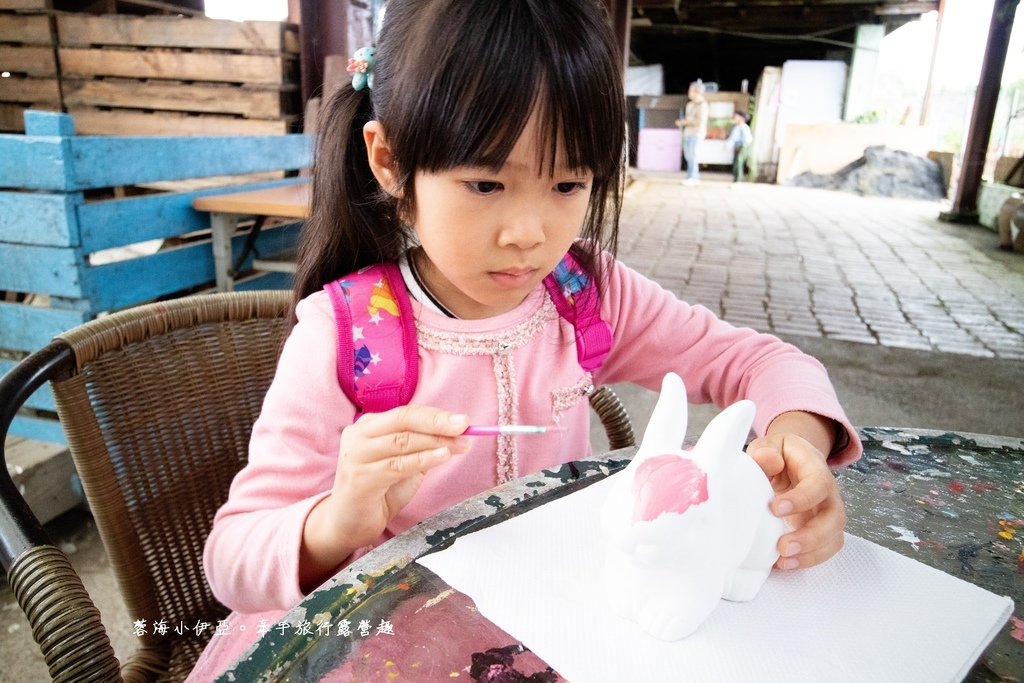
[{"x": 488, "y": 144}]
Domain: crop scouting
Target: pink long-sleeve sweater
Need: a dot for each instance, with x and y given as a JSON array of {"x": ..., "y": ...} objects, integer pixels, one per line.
[{"x": 519, "y": 367}]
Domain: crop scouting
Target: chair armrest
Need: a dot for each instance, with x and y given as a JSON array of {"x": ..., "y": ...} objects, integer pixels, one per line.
[
  {"x": 19, "y": 528},
  {"x": 65, "y": 622},
  {"x": 614, "y": 418}
]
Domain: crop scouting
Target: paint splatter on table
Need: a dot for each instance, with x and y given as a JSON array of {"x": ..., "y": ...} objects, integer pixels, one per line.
[
  {"x": 434, "y": 633},
  {"x": 953, "y": 501}
]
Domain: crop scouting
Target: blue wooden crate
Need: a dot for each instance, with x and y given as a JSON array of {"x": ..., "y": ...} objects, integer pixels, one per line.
[{"x": 50, "y": 225}]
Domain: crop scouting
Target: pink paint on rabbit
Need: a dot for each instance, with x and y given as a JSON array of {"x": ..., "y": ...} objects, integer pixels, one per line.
[{"x": 667, "y": 483}]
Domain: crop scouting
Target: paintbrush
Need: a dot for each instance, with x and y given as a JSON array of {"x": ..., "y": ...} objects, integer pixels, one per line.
[{"x": 503, "y": 430}]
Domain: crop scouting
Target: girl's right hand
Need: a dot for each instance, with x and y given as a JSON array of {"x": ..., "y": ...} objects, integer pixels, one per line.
[{"x": 381, "y": 463}]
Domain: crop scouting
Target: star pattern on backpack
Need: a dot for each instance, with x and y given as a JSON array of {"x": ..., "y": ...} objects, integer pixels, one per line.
[{"x": 571, "y": 280}]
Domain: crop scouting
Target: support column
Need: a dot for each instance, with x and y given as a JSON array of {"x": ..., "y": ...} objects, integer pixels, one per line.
[
  {"x": 621, "y": 13},
  {"x": 863, "y": 69},
  {"x": 926, "y": 102},
  {"x": 322, "y": 31},
  {"x": 965, "y": 201}
]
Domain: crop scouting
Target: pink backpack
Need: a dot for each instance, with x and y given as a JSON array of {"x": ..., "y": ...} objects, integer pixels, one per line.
[{"x": 378, "y": 357}]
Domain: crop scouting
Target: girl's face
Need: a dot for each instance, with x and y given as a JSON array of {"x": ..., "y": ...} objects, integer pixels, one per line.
[{"x": 490, "y": 237}]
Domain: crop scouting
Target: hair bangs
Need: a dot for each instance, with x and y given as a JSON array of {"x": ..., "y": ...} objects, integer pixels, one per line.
[{"x": 467, "y": 103}]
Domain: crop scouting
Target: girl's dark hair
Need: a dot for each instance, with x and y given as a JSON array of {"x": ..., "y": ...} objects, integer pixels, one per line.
[{"x": 455, "y": 82}]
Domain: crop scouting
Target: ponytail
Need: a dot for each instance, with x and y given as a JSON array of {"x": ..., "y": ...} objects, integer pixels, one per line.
[{"x": 352, "y": 222}]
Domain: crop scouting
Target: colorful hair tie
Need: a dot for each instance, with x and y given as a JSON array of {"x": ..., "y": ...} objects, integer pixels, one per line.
[{"x": 361, "y": 68}]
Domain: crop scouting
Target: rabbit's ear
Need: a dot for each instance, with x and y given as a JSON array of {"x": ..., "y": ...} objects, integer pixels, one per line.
[
  {"x": 667, "y": 427},
  {"x": 725, "y": 435}
]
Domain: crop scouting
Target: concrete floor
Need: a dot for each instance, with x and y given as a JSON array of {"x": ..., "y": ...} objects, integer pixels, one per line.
[{"x": 920, "y": 323}]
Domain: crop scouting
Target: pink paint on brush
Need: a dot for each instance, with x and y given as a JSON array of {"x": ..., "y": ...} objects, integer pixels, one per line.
[{"x": 667, "y": 483}]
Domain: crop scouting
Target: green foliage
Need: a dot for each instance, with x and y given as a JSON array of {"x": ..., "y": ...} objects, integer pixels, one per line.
[{"x": 871, "y": 116}]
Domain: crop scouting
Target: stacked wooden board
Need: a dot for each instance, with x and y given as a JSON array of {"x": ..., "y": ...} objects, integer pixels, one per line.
[
  {"x": 155, "y": 75},
  {"x": 28, "y": 61}
]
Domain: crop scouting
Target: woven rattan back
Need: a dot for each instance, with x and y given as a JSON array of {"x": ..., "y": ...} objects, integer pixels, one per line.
[{"x": 158, "y": 418}]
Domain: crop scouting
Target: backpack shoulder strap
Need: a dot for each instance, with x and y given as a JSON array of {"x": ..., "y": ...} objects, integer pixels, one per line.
[
  {"x": 378, "y": 357},
  {"x": 576, "y": 298}
]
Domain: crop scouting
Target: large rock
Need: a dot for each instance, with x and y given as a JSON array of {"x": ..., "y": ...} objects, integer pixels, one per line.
[{"x": 882, "y": 172}]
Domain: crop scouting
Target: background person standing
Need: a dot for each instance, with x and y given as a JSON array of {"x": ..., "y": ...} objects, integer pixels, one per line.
[
  {"x": 739, "y": 139},
  {"x": 695, "y": 128}
]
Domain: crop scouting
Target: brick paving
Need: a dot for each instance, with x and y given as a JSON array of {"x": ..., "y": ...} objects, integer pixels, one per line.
[{"x": 796, "y": 261}]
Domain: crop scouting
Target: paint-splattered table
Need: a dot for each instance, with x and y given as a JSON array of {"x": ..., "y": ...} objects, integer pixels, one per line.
[{"x": 953, "y": 501}]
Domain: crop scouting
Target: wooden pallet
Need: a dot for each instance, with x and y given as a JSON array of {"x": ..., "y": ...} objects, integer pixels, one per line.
[
  {"x": 25, "y": 5},
  {"x": 73, "y": 220},
  {"x": 30, "y": 90},
  {"x": 176, "y": 65},
  {"x": 129, "y": 7},
  {"x": 12, "y": 116},
  {"x": 248, "y": 101},
  {"x": 27, "y": 43},
  {"x": 27, "y": 29},
  {"x": 252, "y": 37},
  {"x": 94, "y": 121},
  {"x": 173, "y": 76}
]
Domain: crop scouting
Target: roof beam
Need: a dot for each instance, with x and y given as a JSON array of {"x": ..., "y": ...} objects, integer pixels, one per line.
[{"x": 781, "y": 16}]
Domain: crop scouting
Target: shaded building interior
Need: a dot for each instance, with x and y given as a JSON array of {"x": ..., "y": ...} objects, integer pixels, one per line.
[{"x": 729, "y": 42}]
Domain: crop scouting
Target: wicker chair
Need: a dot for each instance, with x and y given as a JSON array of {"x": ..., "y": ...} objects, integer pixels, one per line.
[{"x": 157, "y": 403}]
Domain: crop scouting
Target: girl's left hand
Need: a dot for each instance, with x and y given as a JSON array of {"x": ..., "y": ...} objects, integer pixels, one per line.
[{"x": 806, "y": 495}]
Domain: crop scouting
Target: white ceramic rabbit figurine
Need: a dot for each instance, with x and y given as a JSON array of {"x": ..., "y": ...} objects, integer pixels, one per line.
[{"x": 684, "y": 529}]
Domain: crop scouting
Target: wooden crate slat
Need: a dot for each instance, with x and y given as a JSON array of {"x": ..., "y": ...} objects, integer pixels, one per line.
[
  {"x": 168, "y": 272},
  {"x": 160, "y": 274},
  {"x": 184, "y": 66},
  {"x": 40, "y": 219},
  {"x": 11, "y": 115},
  {"x": 29, "y": 328},
  {"x": 256, "y": 103},
  {"x": 34, "y": 164},
  {"x": 27, "y": 29},
  {"x": 41, "y": 399},
  {"x": 37, "y": 428},
  {"x": 76, "y": 30},
  {"x": 292, "y": 43},
  {"x": 145, "y": 159},
  {"x": 264, "y": 281},
  {"x": 30, "y": 90},
  {"x": 12, "y": 118},
  {"x": 131, "y": 122},
  {"x": 28, "y": 60},
  {"x": 44, "y": 270},
  {"x": 119, "y": 222},
  {"x": 45, "y": 163},
  {"x": 36, "y": 5}
]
